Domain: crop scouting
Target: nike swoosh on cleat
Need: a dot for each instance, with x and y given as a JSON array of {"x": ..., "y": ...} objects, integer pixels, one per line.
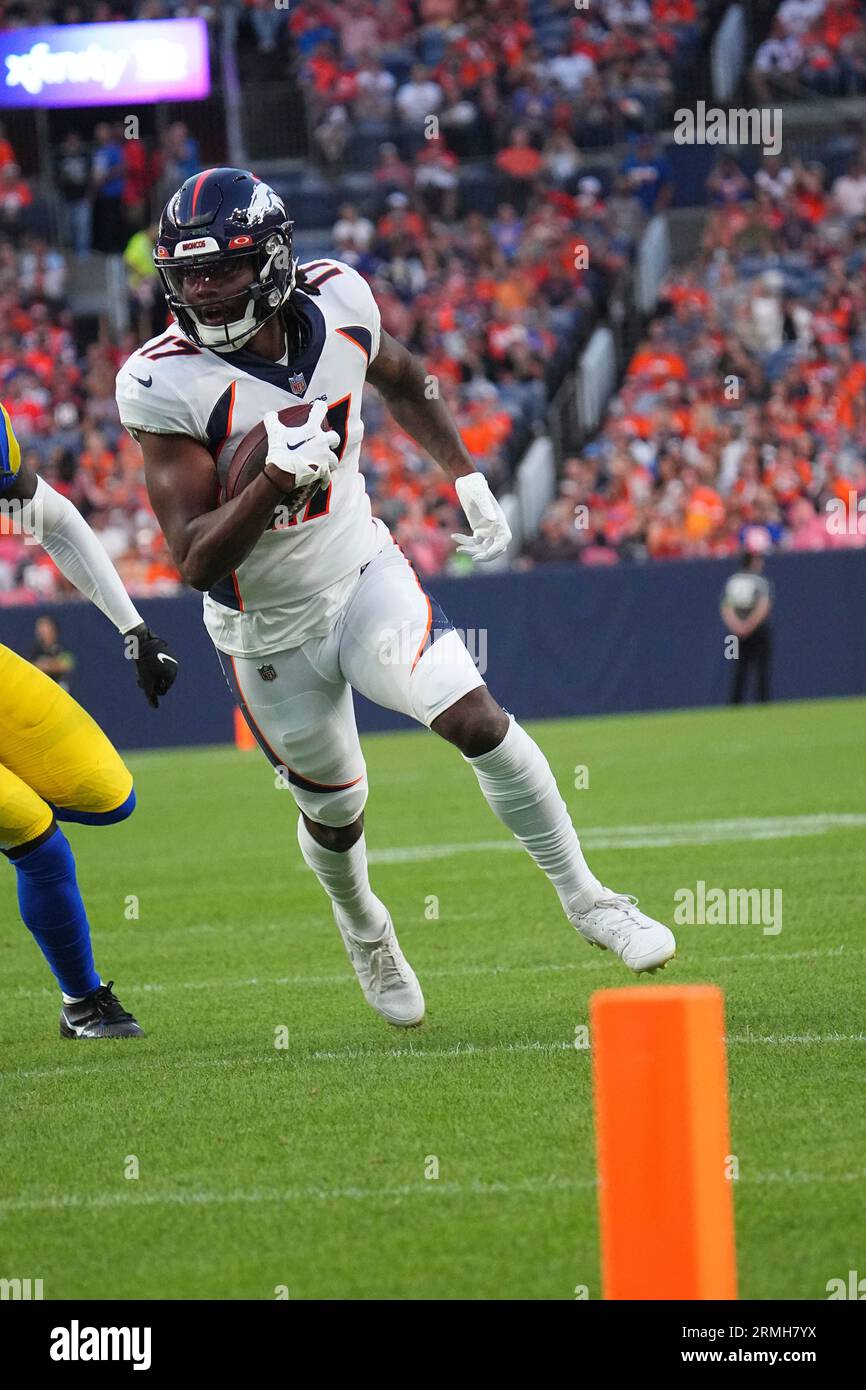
[
  {"x": 141, "y": 380},
  {"x": 163, "y": 656}
]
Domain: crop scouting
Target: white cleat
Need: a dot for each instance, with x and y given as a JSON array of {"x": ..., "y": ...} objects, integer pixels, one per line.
[
  {"x": 389, "y": 983},
  {"x": 615, "y": 923}
]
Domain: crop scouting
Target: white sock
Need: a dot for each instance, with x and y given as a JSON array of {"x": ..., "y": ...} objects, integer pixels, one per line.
[
  {"x": 343, "y": 875},
  {"x": 79, "y": 999},
  {"x": 519, "y": 786}
]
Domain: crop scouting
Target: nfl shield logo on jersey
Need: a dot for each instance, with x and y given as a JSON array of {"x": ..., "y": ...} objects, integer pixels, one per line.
[
  {"x": 298, "y": 383},
  {"x": 267, "y": 673}
]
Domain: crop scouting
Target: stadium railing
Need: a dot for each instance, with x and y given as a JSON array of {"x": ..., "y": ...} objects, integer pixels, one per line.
[
  {"x": 728, "y": 53},
  {"x": 577, "y": 405},
  {"x": 535, "y": 484},
  {"x": 651, "y": 264}
]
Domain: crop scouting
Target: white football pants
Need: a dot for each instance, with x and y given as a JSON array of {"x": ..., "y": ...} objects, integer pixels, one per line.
[{"x": 392, "y": 643}]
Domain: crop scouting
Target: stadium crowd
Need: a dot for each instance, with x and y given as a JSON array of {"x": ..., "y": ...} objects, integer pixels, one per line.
[
  {"x": 741, "y": 422},
  {"x": 61, "y": 402},
  {"x": 527, "y": 82},
  {"x": 814, "y": 46},
  {"x": 109, "y": 184}
]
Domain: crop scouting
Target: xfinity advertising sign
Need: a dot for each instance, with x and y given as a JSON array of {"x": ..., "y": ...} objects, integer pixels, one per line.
[{"x": 105, "y": 64}]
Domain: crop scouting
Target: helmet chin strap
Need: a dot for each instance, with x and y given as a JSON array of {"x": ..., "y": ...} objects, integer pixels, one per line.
[
  {"x": 290, "y": 286},
  {"x": 239, "y": 331}
]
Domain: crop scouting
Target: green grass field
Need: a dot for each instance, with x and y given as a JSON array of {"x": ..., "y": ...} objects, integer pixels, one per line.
[{"x": 304, "y": 1166}]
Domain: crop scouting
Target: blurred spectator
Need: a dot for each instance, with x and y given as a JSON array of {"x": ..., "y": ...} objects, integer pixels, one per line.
[
  {"x": 436, "y": 180},
  {"x": 727, "y": 183},
  {"x": 179, "y": 159},
  {"x": 521, "y": 162},
  {"x": 631, "y": 14},
  {"x": 375, "y": 86},
  {"x": 849, "y": 190},
  {"x": 147, "y": 301},
  {"x": 507, "y": 230},
  {"x": 400, "y": 222},
  {"x": 646, "y": 176},
  {"x": 570, "y": 70},
  {"x": 557, "y": 539},
  {"x": 15, "y": 199},
  {"x": 41, "y": 271},
  {"x": 358, "y": 25},
  {"x": 331, "y": 137},
  {"x": 746, "y": 606},
  {"x": 107, "y": 175},
  {"x": 7, "y": 154},
  {"x": 798, "y": 16},
  {"x": 72, "y": 176},
  {"x": 561, "y": 159},
  {"x": 392, "y": 175},
  {"x": 137, "y": 181},
  {"x": 352, "y": 233},
  {"x": 776, "y": 65},
  {"x": 774, "y": 179},
  {"x": 268, "y": 22},
  {"x": 49, "y": 653},
  {"x": 418, "y": 99}
]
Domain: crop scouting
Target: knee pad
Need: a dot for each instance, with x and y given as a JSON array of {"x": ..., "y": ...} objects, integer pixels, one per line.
[
  {"x": 333, "y": 808},
  {"x": 121, "y": 812}
]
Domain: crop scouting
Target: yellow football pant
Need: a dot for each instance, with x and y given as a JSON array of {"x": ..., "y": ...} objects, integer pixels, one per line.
[{"x": 51, "y": 751}]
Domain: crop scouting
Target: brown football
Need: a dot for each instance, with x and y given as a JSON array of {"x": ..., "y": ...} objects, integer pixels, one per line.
[{"x": 249, "y": 459}]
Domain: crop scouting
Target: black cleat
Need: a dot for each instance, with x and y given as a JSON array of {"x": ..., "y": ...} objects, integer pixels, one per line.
[{"x": 99, "y": 1014}]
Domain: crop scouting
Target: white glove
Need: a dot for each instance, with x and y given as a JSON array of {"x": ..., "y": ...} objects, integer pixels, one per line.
[
  {"x": 491, "y": 534},
  {"x": 303, "y": 450}
]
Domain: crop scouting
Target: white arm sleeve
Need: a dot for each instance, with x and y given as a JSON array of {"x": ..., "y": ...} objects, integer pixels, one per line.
[{"x": 79, "y": 555}]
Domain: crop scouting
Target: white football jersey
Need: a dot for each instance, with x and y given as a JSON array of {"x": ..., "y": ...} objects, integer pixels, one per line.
[{"x": 297, "y": 577}]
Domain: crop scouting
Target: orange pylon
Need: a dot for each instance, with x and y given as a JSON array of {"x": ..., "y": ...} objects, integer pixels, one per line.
[
  {"x": 663, "y": 1141},
  {"x": 243, "y": 735}
]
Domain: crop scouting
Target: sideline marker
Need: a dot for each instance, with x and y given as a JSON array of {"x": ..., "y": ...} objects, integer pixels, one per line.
[
  {"x": 663, "y": 1142},
  {"x": 243, "y": 734}
]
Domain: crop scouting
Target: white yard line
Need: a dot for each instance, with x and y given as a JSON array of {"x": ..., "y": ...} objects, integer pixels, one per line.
[
  {"x": 767, "y": 957},
  {"x": 427, "y": 1191},
  {"x": 208, "y": 1197},
  {"x": 703, "y": 832},
  {"x": 287, "y": 1058},
  {"x": 783, "y": 1039}
]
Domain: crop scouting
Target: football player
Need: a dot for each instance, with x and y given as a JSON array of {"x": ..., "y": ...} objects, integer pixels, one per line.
[
  {"x": 56, "y": 764},
  {"x": 305, "y": 608}
]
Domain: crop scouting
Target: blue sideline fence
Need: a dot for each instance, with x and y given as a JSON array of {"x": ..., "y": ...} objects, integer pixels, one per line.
[{"x": 559, "y": 641}]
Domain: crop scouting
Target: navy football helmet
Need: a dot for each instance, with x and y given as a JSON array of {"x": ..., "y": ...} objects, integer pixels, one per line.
[{"x": 214, "y": 219}]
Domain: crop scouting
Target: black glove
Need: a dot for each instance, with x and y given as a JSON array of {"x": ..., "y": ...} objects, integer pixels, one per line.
[{"x": 157, "y": 668}]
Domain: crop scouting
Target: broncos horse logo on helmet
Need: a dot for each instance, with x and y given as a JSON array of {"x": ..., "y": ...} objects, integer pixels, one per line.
[{"x": 214, "y": 219}]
